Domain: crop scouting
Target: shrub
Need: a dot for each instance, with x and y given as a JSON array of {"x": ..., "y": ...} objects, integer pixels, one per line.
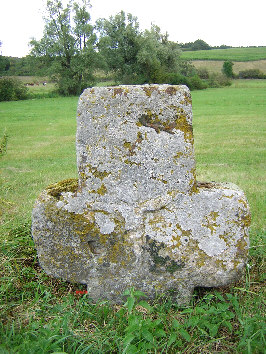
[
  {"x": 192, "y": 82},
  {"x": 227, "y": 69},
  {"x": 251, "y": 74},
  {"x": 177, "y": 79},
  {"x": 12, "y": 90},
  {"x": 203, "y": 73},
  {"x": 218, "y": 80},
  {"x": 195, "y": 83}
]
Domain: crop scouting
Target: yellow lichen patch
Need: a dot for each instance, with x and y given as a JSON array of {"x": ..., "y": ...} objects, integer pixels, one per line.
[
  {"x": 131, "y": 163},
  {"x": 171, "y": 90},
  {"x": 195, "y": 255},
  {"x": 114, "y": 252},
  {"x": 182, "y": 124},
  {"x": 102, "y": 190},
  {"x": 178, "y": 155},
  {"x": 67, "y": 185},
  {"x": 220, "y": 264},
  {"x": 117, "y": 91},
  {"x": 187, "y": 99},
  {"x": 132, "y": 146},
  {"x": 173, "y": 193},
  {"x": 157, "y": 222},
  {"x": 96, "y": 173},
  {"x": 193, "y": 182},
  {"x": 201, "y": 258},
  {"x": 176, "y": 241},
  {"x": 242, "y": 247},
  {"x": 149, "y": 90},
  {"x": 246, "y": 220},
  {"x": 211, "y": 221},
  {"x": 127, "y": 145},
  {"x": 226, "y": 238},
  {"x": 183, "y": 232},
  {"x": 140, "y": 138},
  {"x": 243, "y": 202},
  {"x": 152, "y": 120}
]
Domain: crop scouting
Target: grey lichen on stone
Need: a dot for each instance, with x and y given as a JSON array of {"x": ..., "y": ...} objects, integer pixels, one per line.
[{"x": 136, "y": 216}]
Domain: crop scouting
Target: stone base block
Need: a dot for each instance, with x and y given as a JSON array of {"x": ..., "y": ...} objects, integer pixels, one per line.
[{"x": 195, "y": 240}]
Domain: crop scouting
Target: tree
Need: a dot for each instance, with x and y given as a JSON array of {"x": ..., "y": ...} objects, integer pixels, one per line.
[
  {"x": 199, "y": 44},
  {"x": 227, "y": 69},
  {"x": 67, "y": 45},
  {"x": 4, "y": 62},
  {"x": 4, "y": 65},
  {"x": 136, "y": 57},
  {"x": 119, "y": 44},
  {"x": 157, "y": 56}
]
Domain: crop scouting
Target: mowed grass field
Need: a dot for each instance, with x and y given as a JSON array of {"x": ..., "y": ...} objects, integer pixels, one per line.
[
  {"x": 233, "y": 54},
  {"x": 42, "y": 315},
  {"x": 243, "y": 59},
  {"x": 215, "y": 66}
]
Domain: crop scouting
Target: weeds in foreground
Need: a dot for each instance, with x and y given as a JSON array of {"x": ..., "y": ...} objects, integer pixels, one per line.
[
  {"x": 43, "y": 315},
  {"x": 3, "y": 144}
]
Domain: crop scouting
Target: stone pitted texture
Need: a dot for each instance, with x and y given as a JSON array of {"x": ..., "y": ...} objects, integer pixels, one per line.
[{"x": 136, "y": 216}]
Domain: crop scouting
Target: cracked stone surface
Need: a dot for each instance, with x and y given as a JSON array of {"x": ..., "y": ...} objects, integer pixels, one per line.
[{"x": 136, "y": 216}]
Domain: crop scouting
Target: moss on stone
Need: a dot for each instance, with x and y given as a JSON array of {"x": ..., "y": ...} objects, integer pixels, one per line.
[{"x": 67, "y": 185}]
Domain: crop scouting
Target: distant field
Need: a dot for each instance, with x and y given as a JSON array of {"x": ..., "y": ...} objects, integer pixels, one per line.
[
  {"x": 215, "y": 66},
  {"x": 233, "y": 54}
]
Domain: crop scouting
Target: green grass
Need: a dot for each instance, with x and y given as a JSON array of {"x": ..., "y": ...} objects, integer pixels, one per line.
[
  {"x": 40, "y": 150},
  {"x": 40, "y": 314},
  {"x": 215, "y": 66},
  {"x": 233, "y": 54}
]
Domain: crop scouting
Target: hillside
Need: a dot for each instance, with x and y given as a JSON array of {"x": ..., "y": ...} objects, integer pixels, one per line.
[
  {"x": 215, "y": 66},
  {"x": 233, "y": 54},
  {"x": 243, "y": 58}
]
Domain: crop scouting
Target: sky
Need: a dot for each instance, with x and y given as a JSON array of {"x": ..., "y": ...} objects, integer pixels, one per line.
[{"x": 231, "y": 22}]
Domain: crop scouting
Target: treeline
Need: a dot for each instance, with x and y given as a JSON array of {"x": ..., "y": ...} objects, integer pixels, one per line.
[
  {"x": 26, "y": 66},
  {"x": 199, "y": 44},
  {"x": 72, "y": 50}
]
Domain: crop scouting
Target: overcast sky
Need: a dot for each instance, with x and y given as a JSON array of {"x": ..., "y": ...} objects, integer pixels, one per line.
[{"x": 231, "y": 22}]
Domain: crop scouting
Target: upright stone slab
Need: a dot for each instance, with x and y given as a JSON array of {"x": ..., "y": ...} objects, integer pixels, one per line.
[{"x": 137, "y": 216}]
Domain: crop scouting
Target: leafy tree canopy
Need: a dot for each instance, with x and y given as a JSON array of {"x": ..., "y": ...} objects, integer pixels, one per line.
[
  {"x": 135, "y": 56},
  {"x": 118, "y": 43},
  {"x": 199, "y": 44},
  {"x": 73, "y": 49},
  {"x": 68, "y": 45}
]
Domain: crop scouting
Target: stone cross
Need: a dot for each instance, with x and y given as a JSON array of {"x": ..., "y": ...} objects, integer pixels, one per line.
[{"x": 136, "y": 216}]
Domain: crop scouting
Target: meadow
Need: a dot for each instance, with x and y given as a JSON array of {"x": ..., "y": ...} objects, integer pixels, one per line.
[
  {"x": 215, "y": 66},
  {"x": 233, "y": 54},
  {"x": 40, "y": 314}
]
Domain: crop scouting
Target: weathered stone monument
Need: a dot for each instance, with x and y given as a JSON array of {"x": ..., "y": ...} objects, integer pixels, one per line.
[{"x": 137, "y": 216}]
